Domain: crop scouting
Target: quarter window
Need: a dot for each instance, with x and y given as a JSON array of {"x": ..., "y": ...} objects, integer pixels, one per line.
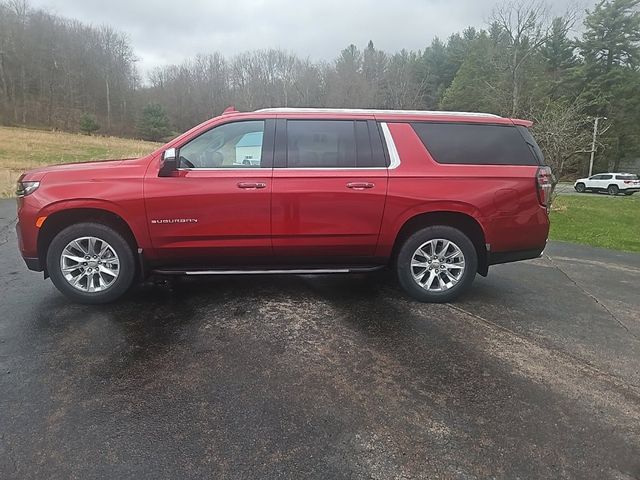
[
  {"x": 476, "y": 144},
  {"x": 232, "y": 145}
]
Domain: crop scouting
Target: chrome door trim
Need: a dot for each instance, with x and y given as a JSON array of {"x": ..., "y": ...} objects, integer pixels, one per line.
[{"x": 302, "y": 271}]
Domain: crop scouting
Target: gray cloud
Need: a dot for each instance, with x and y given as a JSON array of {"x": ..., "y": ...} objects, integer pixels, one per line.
[{"x": 164, "y": 32}]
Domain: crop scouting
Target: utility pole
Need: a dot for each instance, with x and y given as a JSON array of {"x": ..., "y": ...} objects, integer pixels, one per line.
[{"x": 593, "y": 143}]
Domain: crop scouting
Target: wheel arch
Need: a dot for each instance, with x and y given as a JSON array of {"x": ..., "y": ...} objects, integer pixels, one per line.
[
  {"x": 58, "y": 221},
  {"x": 462, "y": 221}
]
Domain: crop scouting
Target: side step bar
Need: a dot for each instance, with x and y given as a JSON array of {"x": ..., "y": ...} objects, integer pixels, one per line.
[{"x": 278, "y": 271}]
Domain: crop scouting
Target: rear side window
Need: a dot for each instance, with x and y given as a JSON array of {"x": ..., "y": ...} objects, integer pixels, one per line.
[
  {"x": 321, "y": 144},
  {"x": 626, "y": 177},
  {"x": 474, "y": 144}
]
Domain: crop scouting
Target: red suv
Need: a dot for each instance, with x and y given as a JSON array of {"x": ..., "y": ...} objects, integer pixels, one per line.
[{"x": 440, "y": 196}]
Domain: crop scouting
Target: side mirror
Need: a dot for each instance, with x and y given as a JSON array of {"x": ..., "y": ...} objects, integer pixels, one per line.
[{"x": 169, "y": 163}]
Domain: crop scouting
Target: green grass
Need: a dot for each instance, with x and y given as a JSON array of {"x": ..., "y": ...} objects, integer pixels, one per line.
[
  {"x": 23, "y": 149},
  {"x": 598, "y": 220}
]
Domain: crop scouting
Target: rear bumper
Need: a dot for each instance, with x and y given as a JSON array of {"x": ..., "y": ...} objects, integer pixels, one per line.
[{"x": 496, "y": 258}]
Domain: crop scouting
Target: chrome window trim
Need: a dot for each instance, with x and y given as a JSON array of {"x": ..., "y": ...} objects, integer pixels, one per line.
[
  {"x": 391, "y": 146},
  {"x": 225, "y": 169},
  {"x": 357, "y": 169}
]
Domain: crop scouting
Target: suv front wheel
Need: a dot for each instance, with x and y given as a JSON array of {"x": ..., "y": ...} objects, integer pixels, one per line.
[
  {"x": 91, "y": 263},
  {"x": 437, "y": 264}
]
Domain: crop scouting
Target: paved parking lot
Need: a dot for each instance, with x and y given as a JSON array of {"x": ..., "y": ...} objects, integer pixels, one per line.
[{"x": 534, "y": 374}]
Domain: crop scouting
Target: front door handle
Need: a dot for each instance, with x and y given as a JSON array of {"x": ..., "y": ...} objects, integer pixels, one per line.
[
  {"x": 360, "y": 185},
  {"x": 251, "y": 186}
]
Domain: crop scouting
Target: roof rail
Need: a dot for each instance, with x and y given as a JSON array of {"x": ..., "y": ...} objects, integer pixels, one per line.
[{"x": 374, "y": 111}]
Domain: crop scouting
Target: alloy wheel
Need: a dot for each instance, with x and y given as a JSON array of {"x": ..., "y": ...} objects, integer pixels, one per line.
[
  {"x": 89, "y": 264},
  {"x": 438, "y": 265}
]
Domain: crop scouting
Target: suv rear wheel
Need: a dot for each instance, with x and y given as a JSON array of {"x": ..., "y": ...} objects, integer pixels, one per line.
[
  {"x": 436, "y": 264},
  {"x": 613, "y": 189},
  {"x": 91, "y": 263}
]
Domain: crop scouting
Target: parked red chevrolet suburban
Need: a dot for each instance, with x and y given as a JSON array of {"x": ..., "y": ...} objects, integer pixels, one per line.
[{"x": 439, "y": 196}]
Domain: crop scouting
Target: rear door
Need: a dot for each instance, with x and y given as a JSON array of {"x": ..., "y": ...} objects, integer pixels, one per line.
[{"x": 329, "y": 189}]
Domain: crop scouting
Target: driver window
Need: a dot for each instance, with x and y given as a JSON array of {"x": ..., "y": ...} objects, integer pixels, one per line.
[{"x": 232, "y": 145}]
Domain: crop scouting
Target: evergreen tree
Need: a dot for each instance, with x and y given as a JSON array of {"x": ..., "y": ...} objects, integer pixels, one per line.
[
  {"x": 154, "y": 123},
  {"x": 558, "y": 53},
  {"x": 612, "y": 36},
  {"x": 610, "y": 47},
  {"x": 88, "y": 124}
]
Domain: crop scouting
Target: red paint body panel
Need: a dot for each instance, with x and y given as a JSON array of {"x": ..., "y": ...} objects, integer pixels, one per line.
[
  {"x": 310, "y": 215},
  {"x": 231, "y": 222},
  {"x": 515, "y": 221},
  {"x": 114, "y": 187},
  {"x": 315, "y": 213}
]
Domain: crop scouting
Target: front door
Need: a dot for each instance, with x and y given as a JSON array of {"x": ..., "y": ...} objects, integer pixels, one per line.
[
  {"x": 599, "y": 182},
  {"x": 217, "y": 209},
  {"x": 329, "y": 190}
]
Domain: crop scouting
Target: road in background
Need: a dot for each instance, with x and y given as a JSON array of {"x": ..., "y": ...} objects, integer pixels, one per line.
[{"x": 533, "y": 374}]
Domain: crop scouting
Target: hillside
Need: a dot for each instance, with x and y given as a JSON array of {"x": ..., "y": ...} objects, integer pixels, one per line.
[{"x": 22, "y": 149}]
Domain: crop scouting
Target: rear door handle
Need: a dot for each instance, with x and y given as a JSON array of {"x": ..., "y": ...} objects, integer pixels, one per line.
[
  {"x": 360, "y": 185},
  {"x": 251, "y": 186}
]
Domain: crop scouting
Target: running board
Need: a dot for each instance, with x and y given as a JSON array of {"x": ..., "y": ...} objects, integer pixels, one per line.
[{"x": 279, "y": 271}]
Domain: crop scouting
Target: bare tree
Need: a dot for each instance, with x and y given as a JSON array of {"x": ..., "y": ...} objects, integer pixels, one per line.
[
  {"x": 562, "y": 130},
  {"x": 527, "y": 25}
]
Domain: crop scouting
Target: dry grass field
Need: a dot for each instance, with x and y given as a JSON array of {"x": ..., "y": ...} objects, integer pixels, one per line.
[{"x": 22, "y": 149}]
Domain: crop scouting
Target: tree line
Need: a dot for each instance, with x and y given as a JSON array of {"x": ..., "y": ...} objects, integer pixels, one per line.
[{"x": 60, "y": 73}]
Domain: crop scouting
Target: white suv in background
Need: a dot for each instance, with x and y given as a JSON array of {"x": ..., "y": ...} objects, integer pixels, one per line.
[{"x": 612, "y": 183}]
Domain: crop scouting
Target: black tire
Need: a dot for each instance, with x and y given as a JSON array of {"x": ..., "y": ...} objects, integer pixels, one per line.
[
  {"x": 580, "y": 187},
  {"x": 629, "y": 193},
  {"x": 613, "y": 190},
  {"x": 411, "y": 245},
  {"x": 127, "y": 268}
]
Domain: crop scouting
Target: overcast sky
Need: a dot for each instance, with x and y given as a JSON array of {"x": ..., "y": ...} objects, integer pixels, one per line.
[{"x": 164, "y": 32}]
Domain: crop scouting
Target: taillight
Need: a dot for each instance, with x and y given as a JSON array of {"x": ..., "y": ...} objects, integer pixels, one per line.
[{"x": 545, "y": 182}]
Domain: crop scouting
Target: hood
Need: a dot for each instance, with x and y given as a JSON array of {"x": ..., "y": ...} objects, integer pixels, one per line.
[{"x": 38, "y": 173}]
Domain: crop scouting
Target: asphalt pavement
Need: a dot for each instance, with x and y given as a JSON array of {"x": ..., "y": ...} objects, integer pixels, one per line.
[{"x": 533, "y": 374}]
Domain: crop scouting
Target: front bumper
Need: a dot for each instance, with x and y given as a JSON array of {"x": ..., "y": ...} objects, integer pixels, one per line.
[{"x": 33, "y": 263}]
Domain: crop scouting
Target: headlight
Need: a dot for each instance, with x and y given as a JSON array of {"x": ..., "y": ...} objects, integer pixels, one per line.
[{"x": 25, "y": 188}]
